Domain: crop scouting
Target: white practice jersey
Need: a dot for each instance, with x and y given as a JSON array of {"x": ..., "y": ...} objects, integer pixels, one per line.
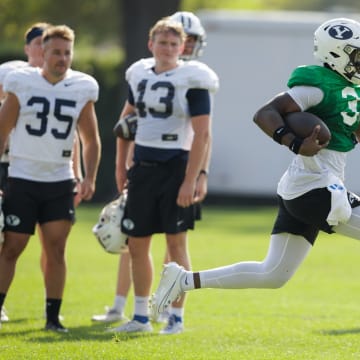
[
  {"x": 41, "y": 143},
  {"x": 8, "y": 66},
  {"x": 5, "y": 69},
  {"x": 161, "y": 104}
]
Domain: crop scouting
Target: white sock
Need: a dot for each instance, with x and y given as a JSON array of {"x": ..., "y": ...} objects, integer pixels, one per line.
[
  {"x": 179, "y": 312},
  {"x": 141, "y": 305},
  {"x": 187, "y": 281},
  {"x": 119, "y": 303}
]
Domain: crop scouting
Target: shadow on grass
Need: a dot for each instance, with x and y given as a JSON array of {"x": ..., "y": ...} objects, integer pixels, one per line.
[
  {"x": 93, "y": 332},
  {"x": 338, "y": 332}
]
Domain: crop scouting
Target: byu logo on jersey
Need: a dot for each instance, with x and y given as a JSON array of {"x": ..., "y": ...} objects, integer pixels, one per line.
[{"x": 340, "y": 32}]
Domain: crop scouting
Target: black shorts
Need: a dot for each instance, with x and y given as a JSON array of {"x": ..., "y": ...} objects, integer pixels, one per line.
[
  {"x": 151, "y": 204},
  {"x": 307, "y": 214},
  {"x": 29, "y": 202},
  {"x": 4, "y": 166},
  {"x": 198, "y": 211}
]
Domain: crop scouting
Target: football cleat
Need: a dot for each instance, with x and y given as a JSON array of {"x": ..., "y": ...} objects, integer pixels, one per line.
[
  {"x": 133, "y": 326},
  {"x": 162, "y": 318},
  {"x": 174, "y": 326},
  {"x": 110, "y": 316},
  {"x": 169, "y": 289},
  {"x": 55, "y": 326},
  {"x": 4, "y": 317}
]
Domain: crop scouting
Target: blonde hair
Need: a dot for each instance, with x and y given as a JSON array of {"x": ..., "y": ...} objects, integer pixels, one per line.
[
  {"x": 167, "y": 25},
  {"x": 59, "y": 31}
]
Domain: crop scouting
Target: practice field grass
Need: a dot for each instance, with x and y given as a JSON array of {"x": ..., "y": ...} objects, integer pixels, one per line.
[{"x": 315, "y": 316}]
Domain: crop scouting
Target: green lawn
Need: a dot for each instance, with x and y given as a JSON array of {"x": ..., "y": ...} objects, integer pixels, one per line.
[{"x": 315, "y": 316}]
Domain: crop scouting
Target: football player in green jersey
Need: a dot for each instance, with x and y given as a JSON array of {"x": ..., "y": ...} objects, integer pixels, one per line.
[{"x": 312, "y": 196}]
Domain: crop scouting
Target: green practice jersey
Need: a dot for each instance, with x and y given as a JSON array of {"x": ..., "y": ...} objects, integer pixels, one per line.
[{"x": 340, "y": 106}]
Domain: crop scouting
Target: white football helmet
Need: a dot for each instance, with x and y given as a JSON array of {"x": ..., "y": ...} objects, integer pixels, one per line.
[
  {"x": 108, "y": 229},
  {"x": 192, "y": 26},
  {"x": 337, "y": 44}
]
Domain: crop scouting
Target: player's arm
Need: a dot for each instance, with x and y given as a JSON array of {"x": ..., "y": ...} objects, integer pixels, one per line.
[
  {"x": 91, "y": 149},
  {"x": 270, "y": 120},
  {"x": 124, "y": 152},
  {"x": 202, "y": 180},
  {"x": 269, "y": 117},
  {"x": 77, "y": 157},
  {"x": 2, "y": 93},
  {"x": 199, "y": 108},
  {"x": 9, "y": 113},
  {"x": 77, "y": 168},
  {"x": 357, "y": 133},
  {"x": 201, "y": 128}
]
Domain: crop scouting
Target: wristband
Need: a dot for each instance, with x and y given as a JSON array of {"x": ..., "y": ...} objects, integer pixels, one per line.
[
  {"x": 280, "y": 132},
  {"x": 295, "y": 145}
]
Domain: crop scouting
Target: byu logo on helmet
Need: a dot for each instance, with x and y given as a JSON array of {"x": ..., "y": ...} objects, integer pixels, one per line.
[
  {"x": 340, "y": 32},
  {"x": 331, "y": 49}
]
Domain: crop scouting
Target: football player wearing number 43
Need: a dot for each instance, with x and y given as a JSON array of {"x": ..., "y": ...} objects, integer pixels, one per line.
[
  {"x": 193, "y": 48},
  {"x": 173, "y": 101},
  {"x": 42, "y": 110},
  {"x": 311, "y": 193}
]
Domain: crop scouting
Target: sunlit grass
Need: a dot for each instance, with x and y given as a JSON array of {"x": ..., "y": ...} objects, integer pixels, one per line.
[{"x": 315, "y": 316}]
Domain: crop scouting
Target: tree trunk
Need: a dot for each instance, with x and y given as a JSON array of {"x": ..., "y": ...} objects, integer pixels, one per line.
[{"x": 138, "y": 17}]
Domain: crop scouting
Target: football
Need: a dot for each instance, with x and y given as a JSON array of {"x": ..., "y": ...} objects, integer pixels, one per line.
[
  {"x": 126, "y": 127},
  {"x": 302, "y": 124}
]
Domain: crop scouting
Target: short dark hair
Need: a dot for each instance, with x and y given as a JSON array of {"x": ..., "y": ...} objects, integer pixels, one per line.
[{"x": 35, "y": 30}]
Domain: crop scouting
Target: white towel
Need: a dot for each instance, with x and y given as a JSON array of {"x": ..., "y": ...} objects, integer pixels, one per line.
[{"x": 340, "y": 211}]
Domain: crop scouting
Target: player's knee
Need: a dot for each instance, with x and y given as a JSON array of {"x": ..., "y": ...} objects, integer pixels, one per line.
[
  {"x": 277, "y": 279},
  {"x": 278, "y": 283},
  {"x": 10, "y": 254}
]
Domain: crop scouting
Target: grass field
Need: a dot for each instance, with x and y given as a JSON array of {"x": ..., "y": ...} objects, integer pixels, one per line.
[{"x": 315, "y": 316}]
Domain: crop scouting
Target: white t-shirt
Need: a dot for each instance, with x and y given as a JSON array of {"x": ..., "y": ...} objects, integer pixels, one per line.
[{"x": 306, "y": 173}]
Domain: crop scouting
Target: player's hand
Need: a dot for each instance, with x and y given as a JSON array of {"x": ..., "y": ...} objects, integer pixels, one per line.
[
  {"x": 87, "y": 189},
  {"x": 77, "y": 197},
  {"x": 121, "y": 179},
  {"x": 186, "y": 194},
  {"x": 201, "y": 188},
  {"x": 310, "y": 145}
]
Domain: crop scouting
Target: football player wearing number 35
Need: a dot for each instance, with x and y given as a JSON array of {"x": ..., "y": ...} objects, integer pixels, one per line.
[
  {"x": 172, "y": 99},
  {"x": 42, "y": 110},
  {"x": 311, "y": 193}
]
